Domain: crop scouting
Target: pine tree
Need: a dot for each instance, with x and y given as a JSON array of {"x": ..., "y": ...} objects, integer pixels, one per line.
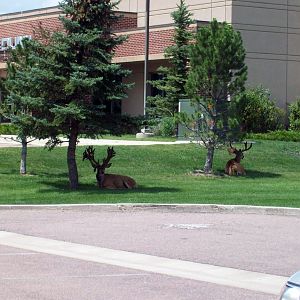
[
  {"x": 71, "y": 76},
  {"x": 217, "y": 73},
  {"x": 19, "y": 103},
  {"x": 171, "y": 85}
]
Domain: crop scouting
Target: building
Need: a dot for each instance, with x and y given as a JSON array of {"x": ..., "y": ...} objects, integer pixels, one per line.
[{"x": 270, "y": 30}]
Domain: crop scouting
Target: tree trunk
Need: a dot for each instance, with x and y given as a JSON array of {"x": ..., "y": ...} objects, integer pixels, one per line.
[
  {"x": 23, "y": 156},
  {"x": 72, "y": 166},
  {"x": 209, "y": 159}
]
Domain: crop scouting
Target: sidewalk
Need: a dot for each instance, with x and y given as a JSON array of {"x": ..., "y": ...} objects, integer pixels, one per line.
[{"x": 5, "y": 141}]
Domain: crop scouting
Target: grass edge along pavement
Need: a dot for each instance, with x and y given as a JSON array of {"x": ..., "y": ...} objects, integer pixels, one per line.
[{"x": 163, "y": 173}]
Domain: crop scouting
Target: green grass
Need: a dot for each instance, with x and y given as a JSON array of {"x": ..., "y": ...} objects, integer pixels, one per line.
[{"x": 162, "y": 173}]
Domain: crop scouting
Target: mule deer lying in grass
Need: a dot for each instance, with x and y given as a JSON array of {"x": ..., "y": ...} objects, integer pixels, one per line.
[
  {"x": 107, "y": 181},
  {"x": 233, "y": 166}
]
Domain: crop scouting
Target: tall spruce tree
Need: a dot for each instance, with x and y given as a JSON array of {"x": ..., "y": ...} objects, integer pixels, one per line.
[
  {"x": 71, "y": 76},
  {"x": 173, "y": 78},
  {"x": 217, "y": 73}
]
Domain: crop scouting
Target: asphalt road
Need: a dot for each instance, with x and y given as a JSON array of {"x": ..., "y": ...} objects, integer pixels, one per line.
[{"x": 92, "y": 253}]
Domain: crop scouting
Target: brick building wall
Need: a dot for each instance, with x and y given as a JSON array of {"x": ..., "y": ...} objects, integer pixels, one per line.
[
  {"x": 24, "y": 24},
  {"x": 131, "y": 52},
  {"x": 22, "y": 28},
  {"x": 135, "y": 44}
]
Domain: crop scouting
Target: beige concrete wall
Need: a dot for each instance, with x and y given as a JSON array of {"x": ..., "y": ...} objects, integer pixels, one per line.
[
  {"x": 271, "y": 34},
  {"x": 128, "y": 5},
  {"x": 293, "y": 64},
  {"x": 203, "y": 10},
  {"x": 270, "y": 30},
  {"x": 3, "y": 72},
  {"x": 134, "y": 104}
]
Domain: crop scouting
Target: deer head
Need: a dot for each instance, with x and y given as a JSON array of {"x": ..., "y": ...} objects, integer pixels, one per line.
[
  {"x": 89, "y": 154},
  {"x": 239, "y": 152}
]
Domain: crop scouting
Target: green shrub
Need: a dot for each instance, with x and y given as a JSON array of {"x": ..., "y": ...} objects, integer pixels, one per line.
[
  {"x": 294, "y": 116},
  {"x": 257, "y": 113},
  {"x": 7, "y": 128},
  {"x": 279, "y": 135},
  {"x": 165, "y": 127}
]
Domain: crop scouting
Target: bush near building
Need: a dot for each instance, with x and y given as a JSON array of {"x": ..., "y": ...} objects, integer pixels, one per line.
[
  {"x": 257, "y": 113},
  {"x": 278, "y": 135},
  {"x": 294, "y": 116}
]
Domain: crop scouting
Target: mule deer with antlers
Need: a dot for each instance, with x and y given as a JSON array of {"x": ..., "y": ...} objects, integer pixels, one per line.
[
  {"x": 233, "y": 166},
  {"x": 107, "y": 181}
]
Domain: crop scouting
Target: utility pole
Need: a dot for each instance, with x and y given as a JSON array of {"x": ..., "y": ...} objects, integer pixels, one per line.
[{"x": 146, "y": 66}]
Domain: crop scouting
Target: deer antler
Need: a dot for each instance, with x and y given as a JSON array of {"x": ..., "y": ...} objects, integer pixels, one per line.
[
  {"x": 231, "y": 150},
  {"x": 89, "y": 154},
  {"x": 110, "y": 154},
  {"x": 246, "y": 146}
]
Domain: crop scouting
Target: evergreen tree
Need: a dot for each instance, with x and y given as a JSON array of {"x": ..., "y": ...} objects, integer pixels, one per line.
[
  {"x": 217, "y": 74},
  {"x": 2, "y": 97},
  {"x": 71, "y": 76},
  {"x": 19, "y": 104},
  {"x": 173, "y": 78}
]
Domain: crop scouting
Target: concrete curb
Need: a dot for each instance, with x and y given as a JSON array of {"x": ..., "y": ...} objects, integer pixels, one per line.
[{"x": 177, "y": 208}]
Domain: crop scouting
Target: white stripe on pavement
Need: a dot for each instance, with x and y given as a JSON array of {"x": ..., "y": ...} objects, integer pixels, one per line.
[{"x": 260, "y": 282}]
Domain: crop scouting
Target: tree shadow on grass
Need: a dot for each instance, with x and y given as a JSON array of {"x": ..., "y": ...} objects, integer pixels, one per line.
[
  {"x": 90, "y": 189},
  {"x": 35, "y": 174},
  {"x": 260, "y": 174},
  {"x": 253, "y": 174}
]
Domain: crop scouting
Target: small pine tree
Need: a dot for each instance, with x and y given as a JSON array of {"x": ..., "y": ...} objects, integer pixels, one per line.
[
  {"x": 71, "y": 76},
  {"x": 173, "y": 78},
  {"x": 20, "y": 102},
  {"x": 217, "y": 73}
]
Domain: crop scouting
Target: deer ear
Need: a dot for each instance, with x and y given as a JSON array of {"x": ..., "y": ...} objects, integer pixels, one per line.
[{"x": 231, "y": 150}]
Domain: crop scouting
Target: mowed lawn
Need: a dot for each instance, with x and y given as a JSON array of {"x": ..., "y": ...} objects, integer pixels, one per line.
[{"x": 163, "y": 174}]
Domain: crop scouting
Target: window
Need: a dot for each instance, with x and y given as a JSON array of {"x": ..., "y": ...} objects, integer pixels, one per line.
[
  {"x": 18, "y": 39},
  {"x": 5, "y": 43}
]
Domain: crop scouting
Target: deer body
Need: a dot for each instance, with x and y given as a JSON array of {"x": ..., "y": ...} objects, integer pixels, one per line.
[
  {"x": 115, "y": 181},
  {"x": 234, "y": 166},
  {"x": 108, "y": 181}
]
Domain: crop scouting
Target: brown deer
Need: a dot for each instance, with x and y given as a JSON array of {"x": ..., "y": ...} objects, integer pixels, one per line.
[
  {"x": 107, "y": 181},
  {"x": 233, "y": 166}
]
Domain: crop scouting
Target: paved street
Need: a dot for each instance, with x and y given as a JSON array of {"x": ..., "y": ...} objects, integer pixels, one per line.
[{"x": 113, "y": 253}]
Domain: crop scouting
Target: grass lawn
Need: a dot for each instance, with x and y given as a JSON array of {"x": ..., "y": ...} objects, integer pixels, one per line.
[{"x": 162, "y": 173}]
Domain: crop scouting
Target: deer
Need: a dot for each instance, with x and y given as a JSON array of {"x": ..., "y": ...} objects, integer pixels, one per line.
[
  {"x": 107, "y": 181},
  {"x": 234, "y": 166}
]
